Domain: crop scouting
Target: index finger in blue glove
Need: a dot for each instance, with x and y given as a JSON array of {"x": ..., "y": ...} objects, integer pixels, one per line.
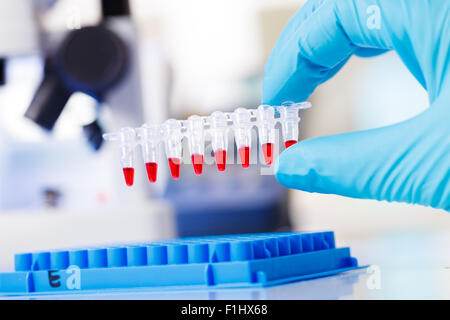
[
  {"x": 296, "y": 21},
  {"x": 311, "y": 51}
]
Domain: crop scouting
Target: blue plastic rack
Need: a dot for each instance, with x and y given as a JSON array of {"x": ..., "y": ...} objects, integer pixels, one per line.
[{"x": 248, "y": 260}]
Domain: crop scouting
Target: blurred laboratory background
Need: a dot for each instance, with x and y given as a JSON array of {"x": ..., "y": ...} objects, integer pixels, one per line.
[{"x": 73, "y": 69}]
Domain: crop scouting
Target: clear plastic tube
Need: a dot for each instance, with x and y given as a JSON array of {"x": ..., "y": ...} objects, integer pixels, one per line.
[
  {"x": 266, "y": 129},
  {"x": 243, "y": 134},
  {"x": 150, "y": 138},
  {"x": 289, "y": 124},
  {"x": 219, "y": 138},
  {"x": 127, "y": 143},
  {"x": 196, "y": 142},
  {"x": 173, "y": 145}
]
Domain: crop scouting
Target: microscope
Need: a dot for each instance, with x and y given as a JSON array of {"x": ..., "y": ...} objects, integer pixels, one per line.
[
  {"x": 70, "y": 187},
  {"x": 102, "y": 61}
]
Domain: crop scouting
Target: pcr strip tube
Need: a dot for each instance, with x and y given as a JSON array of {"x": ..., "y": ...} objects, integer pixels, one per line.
[{"x": 197, "y": 130}]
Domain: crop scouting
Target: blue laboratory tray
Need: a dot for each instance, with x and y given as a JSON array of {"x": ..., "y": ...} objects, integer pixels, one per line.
[{"x": 247, "y": 260}]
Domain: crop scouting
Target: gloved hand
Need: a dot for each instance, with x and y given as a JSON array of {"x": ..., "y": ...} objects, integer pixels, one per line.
[{"x": 405, "y": 162}]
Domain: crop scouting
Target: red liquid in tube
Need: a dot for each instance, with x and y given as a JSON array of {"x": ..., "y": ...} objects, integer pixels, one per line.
[
  {"x": 268, "y": 152},
  {"x": 221, "y": 159},
  {"x": 128, "y": 173},
  {"x": 289, "y": 143},
  {"x": 197, "y": 162},
  {"x": 152, "y": 170},
  {"x": 174, "y": 164},
  {"x": 244, "y": 154}
]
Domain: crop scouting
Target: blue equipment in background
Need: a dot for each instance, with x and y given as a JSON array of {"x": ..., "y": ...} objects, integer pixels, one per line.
[{"x": 224, "y": 205}]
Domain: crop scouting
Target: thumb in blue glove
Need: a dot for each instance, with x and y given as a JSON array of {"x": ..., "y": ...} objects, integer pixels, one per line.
[{"x": 405, "y": 162}]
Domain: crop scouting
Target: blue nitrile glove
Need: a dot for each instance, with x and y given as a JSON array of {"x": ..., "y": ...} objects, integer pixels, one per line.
[{"x": 406, "y": 162}]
